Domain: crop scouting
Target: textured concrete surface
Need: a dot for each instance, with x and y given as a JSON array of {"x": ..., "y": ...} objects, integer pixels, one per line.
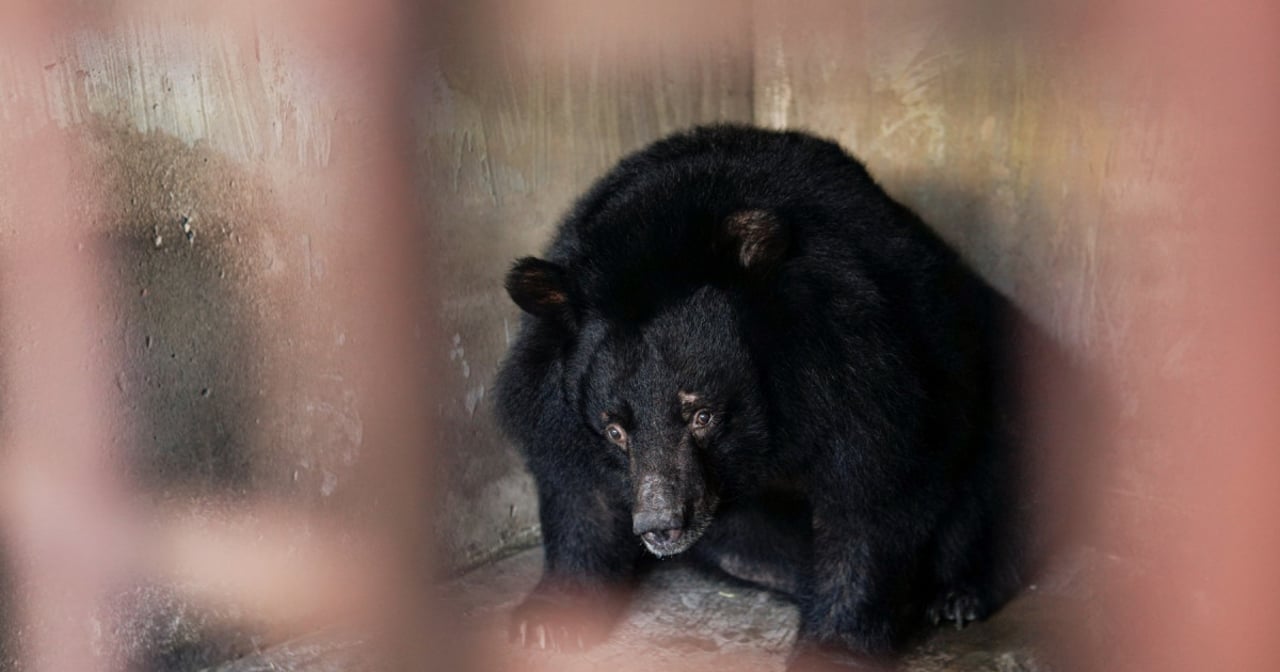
[{"x": 685, "y": 619}]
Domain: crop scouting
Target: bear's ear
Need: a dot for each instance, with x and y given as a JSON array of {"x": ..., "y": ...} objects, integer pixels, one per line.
[
  {"x": 756, "y": 239},
  {"x": 542, "y": 288}
]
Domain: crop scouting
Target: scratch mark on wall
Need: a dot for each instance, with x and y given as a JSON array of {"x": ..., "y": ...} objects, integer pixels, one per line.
[
  {"x": 910, "y": 77},
  {"x": 186, "y": 79},
  {"x": 489, "y": 181},
  {"x": 306, "y": 243},
  {"x": 775, "y": 107},
  {"x": 474, "y": 396}
]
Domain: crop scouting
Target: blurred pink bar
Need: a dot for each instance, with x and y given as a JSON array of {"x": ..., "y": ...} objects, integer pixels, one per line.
[
  {"x": 62, "y": 504},
  {"x": 69, "y": 534},
  {"x": 1209, "y": 595}
]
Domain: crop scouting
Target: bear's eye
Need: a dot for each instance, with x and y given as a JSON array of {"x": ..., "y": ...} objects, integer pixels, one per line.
[
  {"x": 616, "y": 434},
  {"x": 702, "y": 418}
]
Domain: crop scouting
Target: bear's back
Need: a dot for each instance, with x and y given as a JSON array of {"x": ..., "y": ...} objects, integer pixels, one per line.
[{"x": 647, "y": 230}]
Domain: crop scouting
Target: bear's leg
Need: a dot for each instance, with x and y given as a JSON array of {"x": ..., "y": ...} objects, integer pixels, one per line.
[
  {"x": 977, "y": 564},
  {"x": 590, "y": 556},
  {"x": 859, "y": 602},
  {"x": 764, "y": 541}
]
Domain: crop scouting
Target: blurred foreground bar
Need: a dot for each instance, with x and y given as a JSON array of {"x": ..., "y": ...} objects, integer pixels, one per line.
[{"x": 211, "y": 273}]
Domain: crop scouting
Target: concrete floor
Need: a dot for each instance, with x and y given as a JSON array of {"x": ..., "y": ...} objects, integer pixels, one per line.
[{"x": 681, "y": 618}]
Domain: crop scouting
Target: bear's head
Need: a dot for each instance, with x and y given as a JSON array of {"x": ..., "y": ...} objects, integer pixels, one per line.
[
  {"x": 672, "y": 393},
  {"x": 679, "y": 402}
]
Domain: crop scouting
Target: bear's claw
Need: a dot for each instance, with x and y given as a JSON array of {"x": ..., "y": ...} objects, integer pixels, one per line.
[
  {"x": 549, "y": 624},
  {"x": 959, "y": 606}
]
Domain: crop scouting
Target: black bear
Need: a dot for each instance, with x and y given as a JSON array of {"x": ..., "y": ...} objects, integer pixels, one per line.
[{"x": 740, "y": 347}]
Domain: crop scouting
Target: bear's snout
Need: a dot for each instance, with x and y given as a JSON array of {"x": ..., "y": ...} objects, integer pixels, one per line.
[
  {"x": 662, "y": 532},
  {"x": 647, "y": 523},
  {"x": 659, "y": 518},
  {"x": 658, "y": 507}
]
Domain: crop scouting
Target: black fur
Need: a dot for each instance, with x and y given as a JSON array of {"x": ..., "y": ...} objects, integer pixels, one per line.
[{"x": 854, "y": 454}]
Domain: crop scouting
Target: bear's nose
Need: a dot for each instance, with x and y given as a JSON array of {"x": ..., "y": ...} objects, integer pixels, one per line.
[
  {"x": 658, "y": 526},
  {"x": 661, "y": 537}
]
